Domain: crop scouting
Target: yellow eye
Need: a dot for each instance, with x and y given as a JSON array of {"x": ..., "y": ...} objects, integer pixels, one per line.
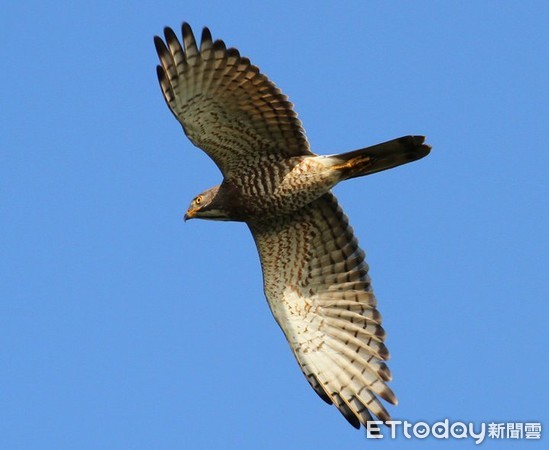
[{"x": 198, "y": 200}]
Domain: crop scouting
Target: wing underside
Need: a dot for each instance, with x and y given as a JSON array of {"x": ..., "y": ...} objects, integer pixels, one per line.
[
  {"x": 317, "y": 285},
  {"x": 225, "y": 105}
]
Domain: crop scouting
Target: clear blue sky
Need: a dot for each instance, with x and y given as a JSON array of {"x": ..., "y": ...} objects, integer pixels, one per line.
[{"x": 121, "y": 327}]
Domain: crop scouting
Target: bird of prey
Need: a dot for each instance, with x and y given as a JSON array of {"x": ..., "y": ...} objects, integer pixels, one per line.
[{"x": 315, "y": 277}]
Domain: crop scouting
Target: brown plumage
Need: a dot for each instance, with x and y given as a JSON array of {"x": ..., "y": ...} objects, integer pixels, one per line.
[{"x": 315, "y": 277}]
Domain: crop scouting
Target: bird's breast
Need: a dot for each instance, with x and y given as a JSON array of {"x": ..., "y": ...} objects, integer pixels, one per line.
[{"x": 281, "y": 187}]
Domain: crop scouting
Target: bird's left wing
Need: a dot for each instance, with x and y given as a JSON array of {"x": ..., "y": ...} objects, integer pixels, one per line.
[
  {"x": 225, "y": 105},
  {"x": 317, "y": 285}
]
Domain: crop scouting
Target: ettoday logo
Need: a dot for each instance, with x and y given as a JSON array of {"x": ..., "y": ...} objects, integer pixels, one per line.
[{"x": 456, "y": 430}]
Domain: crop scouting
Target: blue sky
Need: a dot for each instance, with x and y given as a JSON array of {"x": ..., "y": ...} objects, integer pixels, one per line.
[{"x": 123, "y": 327}]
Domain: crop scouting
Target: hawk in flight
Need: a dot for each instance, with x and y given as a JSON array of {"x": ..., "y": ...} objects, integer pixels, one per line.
[{"x": 314, "y": 274}]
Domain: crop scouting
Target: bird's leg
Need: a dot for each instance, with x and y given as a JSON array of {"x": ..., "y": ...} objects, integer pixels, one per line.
[{"x": 355, "y": 166}]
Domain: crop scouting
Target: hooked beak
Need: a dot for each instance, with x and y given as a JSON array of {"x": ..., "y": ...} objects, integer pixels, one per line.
[{"x": 189, "y": 214}]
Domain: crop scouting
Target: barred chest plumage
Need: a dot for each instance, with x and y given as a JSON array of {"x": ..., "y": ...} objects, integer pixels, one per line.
[{"x": 278, "y": 188}]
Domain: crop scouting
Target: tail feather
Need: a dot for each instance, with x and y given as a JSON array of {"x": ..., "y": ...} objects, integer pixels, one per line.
[{"x": 387, "y": 155}]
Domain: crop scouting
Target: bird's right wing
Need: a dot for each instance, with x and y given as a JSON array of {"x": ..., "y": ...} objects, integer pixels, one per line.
[
  {"x": 317, "y": 285},
  {"x": 225, "y": 105}
]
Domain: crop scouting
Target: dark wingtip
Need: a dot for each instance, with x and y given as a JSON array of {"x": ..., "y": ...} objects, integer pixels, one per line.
[
  {"x": 219, "y": 45},
  {"x": 380, "y": 332},
  {"x": 186, "y": 29},
  {"x": 383, "y": 352},
  {"x": 169, "y": 34},
  {"x": 160, "y": 73},
  {"x": 206, "y": 35},
  {"x": 161, "y": 48},
  {"x": 159, "y": 44}
]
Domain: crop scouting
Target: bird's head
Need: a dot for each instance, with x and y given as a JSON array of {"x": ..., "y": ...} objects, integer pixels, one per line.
[{"x": 208, "y": 205}]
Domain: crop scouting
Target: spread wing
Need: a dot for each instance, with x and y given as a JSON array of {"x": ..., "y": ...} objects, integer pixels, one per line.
[
  {"x": 225, "y": 105},
  {"x": 317, "y": 285}
]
